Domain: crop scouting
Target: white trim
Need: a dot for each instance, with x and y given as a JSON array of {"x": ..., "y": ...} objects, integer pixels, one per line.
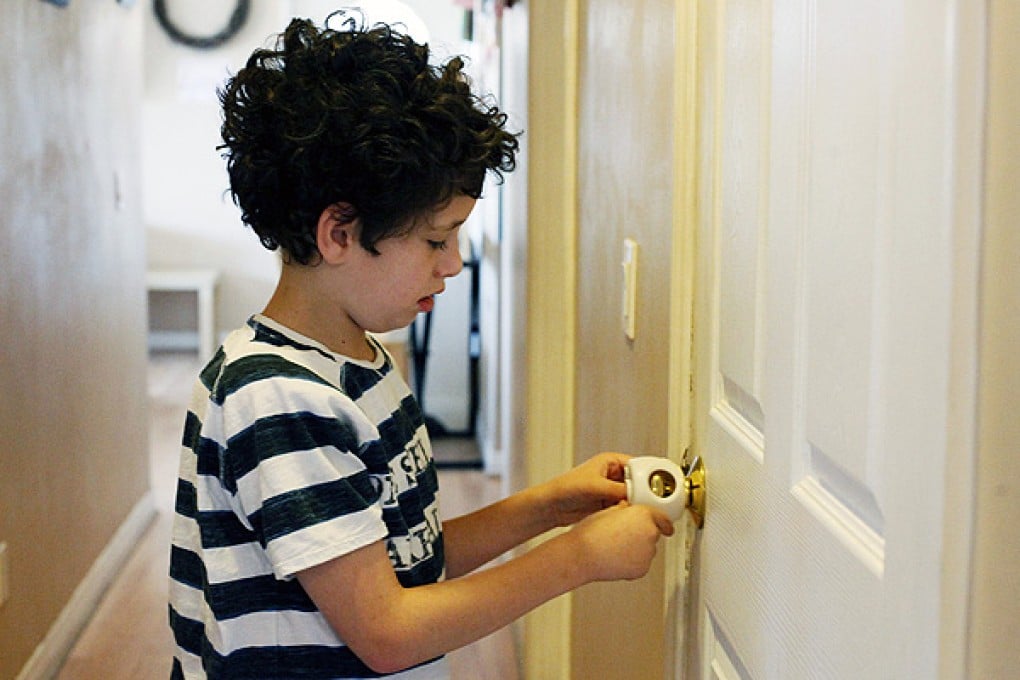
[
  {"x": 49, "y": 656},
  {"x": 554, "y": 35},
  {"x": 679, "y": 558}
]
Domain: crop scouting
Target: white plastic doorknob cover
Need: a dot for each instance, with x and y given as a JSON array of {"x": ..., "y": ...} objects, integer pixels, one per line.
[{"x": 658, "y": 483}]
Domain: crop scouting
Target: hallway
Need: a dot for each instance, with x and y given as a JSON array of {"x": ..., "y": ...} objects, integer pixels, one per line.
[{"x": 128, "y": 638}]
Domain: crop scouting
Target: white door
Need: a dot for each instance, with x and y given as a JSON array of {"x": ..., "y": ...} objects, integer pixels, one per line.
[{"x": 834, "y": 176}]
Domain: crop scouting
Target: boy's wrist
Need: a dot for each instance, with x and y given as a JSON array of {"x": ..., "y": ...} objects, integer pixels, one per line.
[
  {"x": 567, "y": 557},
  {"x": 542, "y": 501}
]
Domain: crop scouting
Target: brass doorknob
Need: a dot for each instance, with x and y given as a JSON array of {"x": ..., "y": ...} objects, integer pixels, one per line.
[{"x": 694, "y": 486}]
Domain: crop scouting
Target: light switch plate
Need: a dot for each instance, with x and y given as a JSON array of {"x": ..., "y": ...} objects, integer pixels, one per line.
[
  {"x": 4, "y": 576},
  {"x": 630, "y": 269}
]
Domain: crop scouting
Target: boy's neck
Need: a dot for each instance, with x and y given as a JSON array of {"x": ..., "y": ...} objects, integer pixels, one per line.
[{"x": 299, "y": 305}]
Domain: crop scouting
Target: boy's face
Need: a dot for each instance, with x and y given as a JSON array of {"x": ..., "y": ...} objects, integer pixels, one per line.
[{"x": 409, "y": 271}]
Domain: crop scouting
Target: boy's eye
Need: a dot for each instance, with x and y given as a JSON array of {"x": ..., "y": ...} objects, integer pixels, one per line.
[{"x": 437, "y": 245}]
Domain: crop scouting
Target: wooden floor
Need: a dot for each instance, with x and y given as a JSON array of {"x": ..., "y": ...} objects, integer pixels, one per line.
[{"x": 128, "y": 637}]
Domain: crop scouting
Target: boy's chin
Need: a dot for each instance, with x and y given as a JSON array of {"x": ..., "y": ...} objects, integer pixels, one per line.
[{"x": 392, "y": 324}]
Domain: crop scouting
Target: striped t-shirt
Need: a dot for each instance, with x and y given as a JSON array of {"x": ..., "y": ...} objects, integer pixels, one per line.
[{"x": 292, "y": 456}]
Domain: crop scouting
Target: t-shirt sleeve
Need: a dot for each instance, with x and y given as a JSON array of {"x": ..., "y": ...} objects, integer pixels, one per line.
[{"x": 300, "y": 483}]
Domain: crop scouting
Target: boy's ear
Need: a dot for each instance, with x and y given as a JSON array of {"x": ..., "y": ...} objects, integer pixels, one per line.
[{"x": 337, "y": 232}]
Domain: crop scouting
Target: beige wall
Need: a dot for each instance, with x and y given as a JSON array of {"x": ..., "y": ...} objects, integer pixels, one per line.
[
  {"x": 995, "y": 584},
  {"x": 625, "y": 175},
  {"x": 73, "y": 463},
  {"x": 601, "y": 135}
]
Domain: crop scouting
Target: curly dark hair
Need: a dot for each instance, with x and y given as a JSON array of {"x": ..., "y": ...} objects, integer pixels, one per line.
[{"x": 355, "y": 117}]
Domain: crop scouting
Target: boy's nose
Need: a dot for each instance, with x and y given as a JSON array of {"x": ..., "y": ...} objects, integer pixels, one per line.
[{"x": 450, "y": 264}]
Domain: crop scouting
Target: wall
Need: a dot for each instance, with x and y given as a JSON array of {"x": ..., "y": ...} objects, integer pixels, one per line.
[
  {"x": 625, "y": 175},
  {"x": 73, "y": 465},
  {"x": 600, "y": 169}
]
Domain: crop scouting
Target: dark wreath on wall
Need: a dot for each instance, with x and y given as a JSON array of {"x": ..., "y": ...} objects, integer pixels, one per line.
[
  {"x": 64, "y": 3},
  {"x": 237, "y": 20}
]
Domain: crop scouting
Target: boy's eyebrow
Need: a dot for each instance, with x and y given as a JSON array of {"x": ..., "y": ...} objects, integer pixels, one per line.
[{"x": 448, "y": 227}]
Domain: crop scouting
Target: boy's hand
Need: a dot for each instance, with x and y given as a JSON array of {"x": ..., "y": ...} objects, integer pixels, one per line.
[
  {"x": 593, "y": 485},
  {"x": 620, "y": 542}
]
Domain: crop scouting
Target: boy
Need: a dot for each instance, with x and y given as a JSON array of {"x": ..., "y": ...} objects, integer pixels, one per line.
[{"x": 307, "y": 541}]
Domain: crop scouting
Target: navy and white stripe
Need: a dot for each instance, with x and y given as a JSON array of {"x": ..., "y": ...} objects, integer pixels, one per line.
[{"x": 292, "y": 456}]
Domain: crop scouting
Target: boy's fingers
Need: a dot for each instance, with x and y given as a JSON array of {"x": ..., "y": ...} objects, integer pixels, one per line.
[
  {"x": 664, "y": 523},
  {"x": 615, "y": 467}
]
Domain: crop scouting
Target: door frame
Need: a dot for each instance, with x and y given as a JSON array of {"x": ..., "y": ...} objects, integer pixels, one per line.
[
  {"x": 551, "y": 325},
  {"x": 993, "y": 605},
  {"x": 680, "y": 422}
]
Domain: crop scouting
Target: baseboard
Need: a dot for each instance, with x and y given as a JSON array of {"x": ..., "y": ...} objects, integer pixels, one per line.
[{"x": 51, "y": 652}]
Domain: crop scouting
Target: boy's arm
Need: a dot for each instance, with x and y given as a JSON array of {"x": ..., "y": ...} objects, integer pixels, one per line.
[
  {"x": 391, "y": 627},
  {"x": 471, "y": 540},
  {"x": 478, "y": 537}
]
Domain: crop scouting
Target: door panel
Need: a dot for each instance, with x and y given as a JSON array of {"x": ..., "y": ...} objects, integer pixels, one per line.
[{"x": 824, "y": 299}]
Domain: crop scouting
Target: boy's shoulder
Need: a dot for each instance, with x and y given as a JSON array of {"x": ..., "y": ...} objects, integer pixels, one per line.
[{"x": 259, "y": 353}]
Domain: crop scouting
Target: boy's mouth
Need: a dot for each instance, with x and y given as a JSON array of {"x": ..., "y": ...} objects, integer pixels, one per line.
[{"x": 427, "y": 303}]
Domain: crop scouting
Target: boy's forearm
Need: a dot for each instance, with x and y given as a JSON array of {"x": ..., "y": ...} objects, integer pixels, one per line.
[
  {"x": 391, "y": 627},
  {"x": 479, "y": 537},
  {"x": 445, "y": 616}
]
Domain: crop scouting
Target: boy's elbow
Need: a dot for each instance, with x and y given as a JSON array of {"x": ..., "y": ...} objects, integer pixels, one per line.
[
  {"x": 384, "y": 665},
  {"x": 385, "y": 653}
]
